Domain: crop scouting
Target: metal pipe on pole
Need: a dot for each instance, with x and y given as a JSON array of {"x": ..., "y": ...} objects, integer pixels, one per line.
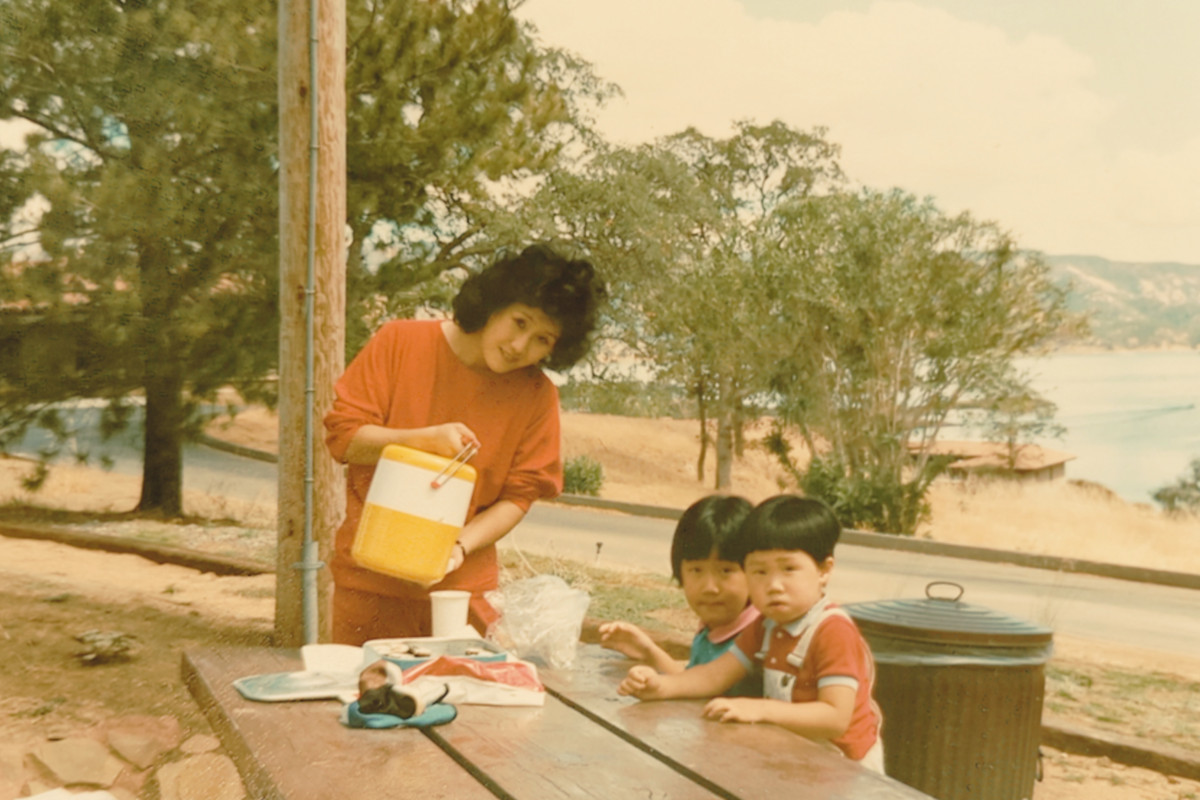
[
  {"x": 310, "y": 563},
  {"x": 312, "y": 189}
]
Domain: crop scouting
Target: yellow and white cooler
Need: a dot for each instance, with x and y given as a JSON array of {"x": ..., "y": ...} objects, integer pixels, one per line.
[{"x": 414, "y": 510}]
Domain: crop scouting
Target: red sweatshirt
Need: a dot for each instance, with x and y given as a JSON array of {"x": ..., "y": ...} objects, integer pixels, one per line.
[{"x": 408, "y": 377}]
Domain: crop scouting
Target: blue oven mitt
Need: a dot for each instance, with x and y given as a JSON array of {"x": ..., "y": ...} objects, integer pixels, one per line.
[{"x": 436, "y": 714}]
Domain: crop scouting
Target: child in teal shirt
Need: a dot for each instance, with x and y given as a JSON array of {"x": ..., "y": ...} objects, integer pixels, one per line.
[{"x": 704, "y": 561}]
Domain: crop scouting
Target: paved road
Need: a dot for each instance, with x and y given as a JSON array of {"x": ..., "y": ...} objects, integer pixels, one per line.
[
  {"x": 205, "y": 469},
  {"x": 1163, "y": 619},
  {"x": 1159, "y": 618}
]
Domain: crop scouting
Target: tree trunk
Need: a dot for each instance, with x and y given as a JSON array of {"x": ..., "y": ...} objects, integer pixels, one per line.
[
  {"x": 162, "y": 380},
  {"x": 162, "y": 459},
  {"x": 703, "y": 414},
  {"x": 725, "y": 428}
]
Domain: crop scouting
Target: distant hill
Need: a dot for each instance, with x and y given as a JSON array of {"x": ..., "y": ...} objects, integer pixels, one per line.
[{"x": 1133, "y": 305}]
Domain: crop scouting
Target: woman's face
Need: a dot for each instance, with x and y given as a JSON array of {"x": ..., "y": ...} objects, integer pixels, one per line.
[{"x": 518, "y": 336}]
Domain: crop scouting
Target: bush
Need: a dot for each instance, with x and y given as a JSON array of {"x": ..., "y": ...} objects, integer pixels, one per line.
[
  {"x": 876, "y": 501},
  {"x": 866, "y": 502},
  {"x": 583, "y": 475},
  {"x": 1183, "y": 496}
]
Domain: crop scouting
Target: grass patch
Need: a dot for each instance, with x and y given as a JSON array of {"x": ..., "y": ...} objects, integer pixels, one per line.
[
  {"x": 1162, "y": 705},
  {"x": 650, "y": 601}
]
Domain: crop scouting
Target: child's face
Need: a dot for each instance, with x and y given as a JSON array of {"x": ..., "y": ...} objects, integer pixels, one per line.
[
  {"x": 715, "y": 589},
  {"x": 785, "y": 584}
]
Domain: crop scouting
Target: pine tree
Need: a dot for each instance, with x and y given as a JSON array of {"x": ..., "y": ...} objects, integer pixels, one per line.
[
  {"x": 151, "y": 176},
  {"x": 152, "y": 165}
]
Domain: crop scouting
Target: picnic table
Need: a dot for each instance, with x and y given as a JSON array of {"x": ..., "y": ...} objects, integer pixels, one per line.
[{"x": 585, "y": 742}]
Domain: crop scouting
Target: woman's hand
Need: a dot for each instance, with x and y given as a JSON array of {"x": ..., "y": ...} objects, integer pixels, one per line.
[
  {"x": 444, "y": 440},
  {"x": 457, "y": 557}
]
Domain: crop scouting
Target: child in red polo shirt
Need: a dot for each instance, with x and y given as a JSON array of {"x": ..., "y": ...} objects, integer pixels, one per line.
[{"x": 817, "y": 670}]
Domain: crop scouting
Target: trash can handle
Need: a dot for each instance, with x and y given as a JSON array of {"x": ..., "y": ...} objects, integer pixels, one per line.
[{"x": 929, "y": 586}]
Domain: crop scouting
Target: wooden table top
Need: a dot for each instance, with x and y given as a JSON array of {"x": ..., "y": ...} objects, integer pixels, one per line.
[{"x": 585, "y": 742}]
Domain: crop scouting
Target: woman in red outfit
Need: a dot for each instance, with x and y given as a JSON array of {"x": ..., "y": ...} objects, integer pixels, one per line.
[{"x": 438, "y": 385}]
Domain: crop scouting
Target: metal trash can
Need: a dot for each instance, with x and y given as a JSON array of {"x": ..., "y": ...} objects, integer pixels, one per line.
[{"x": 961, "y": 690}]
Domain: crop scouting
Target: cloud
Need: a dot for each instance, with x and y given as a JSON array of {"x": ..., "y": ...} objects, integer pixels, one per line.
[{"x": 1006, "y": 128}]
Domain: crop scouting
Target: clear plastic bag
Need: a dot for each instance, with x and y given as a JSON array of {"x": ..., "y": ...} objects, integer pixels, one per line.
[{"x": 540, "y": 619}]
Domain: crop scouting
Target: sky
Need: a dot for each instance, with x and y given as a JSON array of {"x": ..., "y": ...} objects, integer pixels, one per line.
[{"x": 1072, "y": 124}]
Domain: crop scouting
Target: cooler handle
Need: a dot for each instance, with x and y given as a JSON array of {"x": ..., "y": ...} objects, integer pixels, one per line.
[{"x": 450, "y": 469}]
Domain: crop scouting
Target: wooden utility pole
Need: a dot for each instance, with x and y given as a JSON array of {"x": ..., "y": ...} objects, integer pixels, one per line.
[{"x": 328, "y": 300}]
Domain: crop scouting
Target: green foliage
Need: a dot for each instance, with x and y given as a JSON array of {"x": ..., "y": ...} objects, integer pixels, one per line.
[
  {"x": 446, "y": 102},
  {"x": 862, "y": 501},
  {"x": 583, "y": 475},
  {"x": 626, "y": 398},
  {"x": 869, "y": 502},
  {"x": 155, "y": 158},
  {"x": 683, "y": 229},
  {"x": 1183, "y": 496},
  {"x": 1016, "y": 420},
  {"x": 903, "y": 315}
]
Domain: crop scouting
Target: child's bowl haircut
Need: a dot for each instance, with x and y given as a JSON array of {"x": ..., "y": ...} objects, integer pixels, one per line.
[
  {"x": 790, "y": 522},
  {"x": 709, "y": 525}
]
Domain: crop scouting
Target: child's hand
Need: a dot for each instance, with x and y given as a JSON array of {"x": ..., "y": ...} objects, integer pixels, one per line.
[
  {"x": 734, "y": 709},
  {"x": 627, "y": 639},
  {"x": 642, "y": 682}
]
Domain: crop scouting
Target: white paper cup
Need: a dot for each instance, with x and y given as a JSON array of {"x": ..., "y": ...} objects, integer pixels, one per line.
[{"x": 449, "y": 612}]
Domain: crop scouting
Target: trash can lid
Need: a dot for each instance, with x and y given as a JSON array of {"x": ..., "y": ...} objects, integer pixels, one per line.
[{"x": 946, "y": 620}]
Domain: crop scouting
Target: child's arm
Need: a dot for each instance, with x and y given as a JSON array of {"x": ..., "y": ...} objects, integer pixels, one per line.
[
  {"x": 827, "y": 717},
  {"x": 633, "y": 642},
  {"x": 703, "y": 680}
]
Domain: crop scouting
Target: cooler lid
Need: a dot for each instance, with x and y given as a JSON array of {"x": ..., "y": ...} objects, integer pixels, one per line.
[{"x": 942, "y": 618}]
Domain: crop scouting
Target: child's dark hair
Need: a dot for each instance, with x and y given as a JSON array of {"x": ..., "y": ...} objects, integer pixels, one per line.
[
  {"x": 566, "y": 290},
  {"x": 790, "y": 522},
  {"x": 709, "y": 525}
]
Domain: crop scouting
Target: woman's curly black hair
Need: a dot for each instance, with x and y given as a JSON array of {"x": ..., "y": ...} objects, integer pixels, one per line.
[{"x": 566, "y": 290}]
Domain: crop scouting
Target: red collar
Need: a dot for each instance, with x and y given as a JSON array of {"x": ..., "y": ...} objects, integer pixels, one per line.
[{"x": 740, "y": 623}]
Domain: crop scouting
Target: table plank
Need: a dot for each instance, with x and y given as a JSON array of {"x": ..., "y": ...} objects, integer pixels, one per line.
[
  {"x": 554, "y": 751},
  {"x": 741, "y": 762},
  {"x": 300, "y": 751}
]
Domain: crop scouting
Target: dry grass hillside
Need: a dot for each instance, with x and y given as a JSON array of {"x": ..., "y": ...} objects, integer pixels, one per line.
[{"x": 654, "y": 461}]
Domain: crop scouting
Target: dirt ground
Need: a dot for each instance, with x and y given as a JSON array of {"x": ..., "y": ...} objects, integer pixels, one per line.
[{"x": 49, "y": 593}]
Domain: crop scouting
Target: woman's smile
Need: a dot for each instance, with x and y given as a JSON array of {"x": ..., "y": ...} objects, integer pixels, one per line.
[{"x": 516, "y": 337}]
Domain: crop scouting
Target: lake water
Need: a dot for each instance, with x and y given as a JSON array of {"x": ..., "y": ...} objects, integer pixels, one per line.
[{"x": 1132, "y": 418}]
